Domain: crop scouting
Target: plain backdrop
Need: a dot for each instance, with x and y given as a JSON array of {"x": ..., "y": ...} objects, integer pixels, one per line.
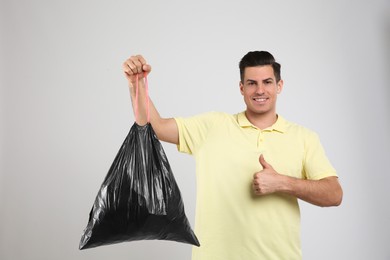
[{"x": 65, "y": 109}]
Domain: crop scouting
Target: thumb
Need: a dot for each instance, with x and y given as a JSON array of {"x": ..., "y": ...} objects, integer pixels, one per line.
[
  {"x": 147, "y": 68},
  {"x": 264, "y": 163}
]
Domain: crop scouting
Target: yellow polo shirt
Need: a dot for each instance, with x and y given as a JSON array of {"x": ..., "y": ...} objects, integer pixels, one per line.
[{"x": 232, "y": 223}]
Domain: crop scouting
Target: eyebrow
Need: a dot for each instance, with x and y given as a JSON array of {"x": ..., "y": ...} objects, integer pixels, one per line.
[
  {"x": 255, "y": 81},
  {"x": 251, "y": 80}
]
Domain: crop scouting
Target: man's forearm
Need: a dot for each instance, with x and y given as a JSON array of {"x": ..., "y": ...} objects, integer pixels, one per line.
[
  {"x": 325, "y": 192},
  {"x": 136, "y": 69},
  {"x": 141, "y": 112},
  {"x": 165, "y": 128}
]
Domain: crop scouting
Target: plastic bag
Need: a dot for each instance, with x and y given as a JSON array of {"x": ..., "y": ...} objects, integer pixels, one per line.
[{"x": 139, "y": 198}]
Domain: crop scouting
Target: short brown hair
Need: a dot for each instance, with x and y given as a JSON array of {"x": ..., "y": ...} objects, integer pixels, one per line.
[{"x": 259, "y": 58}]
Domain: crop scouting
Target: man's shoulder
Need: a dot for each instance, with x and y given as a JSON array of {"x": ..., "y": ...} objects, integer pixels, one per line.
[{"x": 297, "y": 128}]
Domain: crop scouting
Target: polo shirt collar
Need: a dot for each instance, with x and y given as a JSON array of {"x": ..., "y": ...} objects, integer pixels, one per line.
[{"x": 280, "y": 125}]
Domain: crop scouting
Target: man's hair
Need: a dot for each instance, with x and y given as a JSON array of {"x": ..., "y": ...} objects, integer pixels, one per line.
[{"x": 259, "y": 58}]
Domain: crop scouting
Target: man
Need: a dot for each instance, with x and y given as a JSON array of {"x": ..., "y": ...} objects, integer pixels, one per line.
[{"x": 251, "y": 167}]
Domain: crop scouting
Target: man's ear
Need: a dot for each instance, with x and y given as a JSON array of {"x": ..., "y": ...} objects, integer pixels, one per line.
[
  {"x": 241, "y": 88},
  {"x": 280, "y": 86}
]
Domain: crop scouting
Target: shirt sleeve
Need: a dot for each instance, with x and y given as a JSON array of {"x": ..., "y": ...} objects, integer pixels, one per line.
[
  {"x": 193, "y": 131},
  {"x": 316, "y": 164}
]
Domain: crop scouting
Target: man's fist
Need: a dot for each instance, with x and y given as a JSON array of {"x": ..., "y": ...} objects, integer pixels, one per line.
[
  {"x": 136, "y": 65},
  {"x": 267, "y": 180}
]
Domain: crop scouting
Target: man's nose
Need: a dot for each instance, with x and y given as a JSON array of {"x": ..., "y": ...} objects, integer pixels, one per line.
[{"x": 260, "y": 89}]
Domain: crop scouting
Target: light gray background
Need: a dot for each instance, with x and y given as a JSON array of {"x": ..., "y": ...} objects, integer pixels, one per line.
[{"x": 65, "y": 109}]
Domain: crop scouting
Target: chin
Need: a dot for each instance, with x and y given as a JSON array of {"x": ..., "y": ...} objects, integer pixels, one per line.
[{"x": 257, "y": 112}]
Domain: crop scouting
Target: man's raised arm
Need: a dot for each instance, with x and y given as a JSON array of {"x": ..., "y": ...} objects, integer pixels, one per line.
[{"x": 165, "y": 128}]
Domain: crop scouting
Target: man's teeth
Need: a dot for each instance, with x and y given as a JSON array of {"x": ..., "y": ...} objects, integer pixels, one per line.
[{"x": 260, "y": 99}]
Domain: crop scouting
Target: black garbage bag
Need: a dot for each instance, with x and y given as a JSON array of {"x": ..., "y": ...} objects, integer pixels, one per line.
[{"x": 139, "y": 198}]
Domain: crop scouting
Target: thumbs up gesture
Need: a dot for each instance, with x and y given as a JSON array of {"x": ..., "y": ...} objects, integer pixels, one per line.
[{"x": 267, "y": 180}]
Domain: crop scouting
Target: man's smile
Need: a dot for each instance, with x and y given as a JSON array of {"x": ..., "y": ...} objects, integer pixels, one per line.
[{"x": 259, "y": 99}]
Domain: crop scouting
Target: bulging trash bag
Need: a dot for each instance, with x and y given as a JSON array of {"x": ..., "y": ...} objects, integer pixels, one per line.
[{"x": 139, "y": 198}]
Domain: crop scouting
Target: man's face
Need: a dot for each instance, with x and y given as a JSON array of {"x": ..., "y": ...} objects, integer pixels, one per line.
[{"x": 260, "y": 90}]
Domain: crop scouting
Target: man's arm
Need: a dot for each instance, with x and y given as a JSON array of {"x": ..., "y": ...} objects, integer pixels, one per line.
[
  {"x": 325, "y": 192},
  {"x": 165, "y": 128}
]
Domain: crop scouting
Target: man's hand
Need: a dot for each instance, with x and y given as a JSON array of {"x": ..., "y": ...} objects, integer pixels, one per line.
[
  {"x": 325, "y": 192},
  {"x": 136, "y": 65},
  {"x": 266, "y": 181}
]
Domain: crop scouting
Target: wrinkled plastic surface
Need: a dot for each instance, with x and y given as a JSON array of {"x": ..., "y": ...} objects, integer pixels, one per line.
[{"x": 139, "y": 198}]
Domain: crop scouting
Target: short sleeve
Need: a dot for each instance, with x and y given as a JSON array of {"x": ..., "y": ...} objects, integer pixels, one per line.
[
  {"x": 193, "y": 131},
  {"x": 316, "y": 164}
]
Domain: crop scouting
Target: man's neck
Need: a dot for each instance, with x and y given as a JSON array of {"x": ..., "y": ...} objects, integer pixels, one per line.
[{"x": 261, "y": 121}]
